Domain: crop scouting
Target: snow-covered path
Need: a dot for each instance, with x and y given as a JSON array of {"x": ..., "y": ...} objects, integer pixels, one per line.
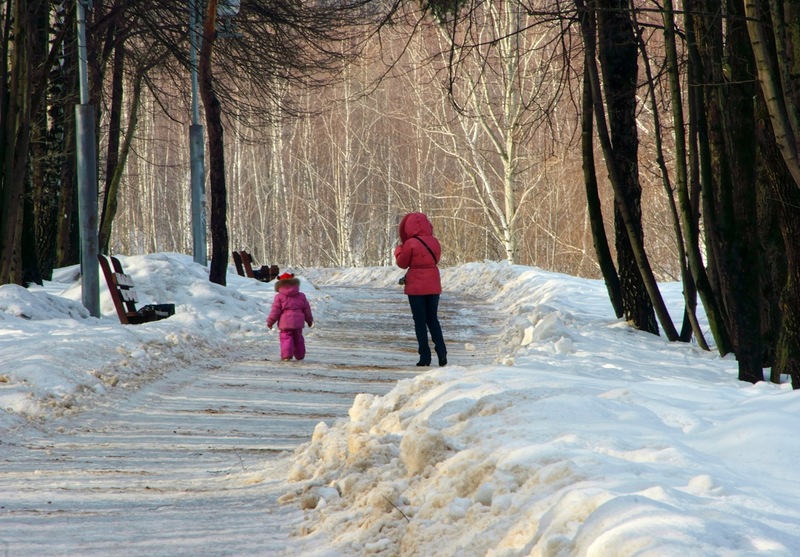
[{"x": 178, "y": 467}]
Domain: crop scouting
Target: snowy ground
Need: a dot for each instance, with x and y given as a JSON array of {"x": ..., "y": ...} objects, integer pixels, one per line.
[{"x": 571, "y": 434}]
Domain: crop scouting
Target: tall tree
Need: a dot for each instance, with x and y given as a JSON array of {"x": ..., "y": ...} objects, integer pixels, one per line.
[
  {"x": 689, "y": 215},
  {"x": 731, "y": 221},
  {"x": 116, "y": 163},
  {"x": 618, "y": 57},
  {"x": 216, "y": 151},
  {"x": 602, "y": 250},
  {"x": 113, "y": 156},
  {"x": 504, "y": 88},
  {"x": 774, "y": 33},
  {"x": 16, "y": 98}
]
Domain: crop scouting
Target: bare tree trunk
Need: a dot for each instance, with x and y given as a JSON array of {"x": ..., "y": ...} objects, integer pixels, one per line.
[
  {"x": 691, "y": 324},
  {"x": 67, "y": 240},
  {"x": 216, "y": 152},
  {"x": 779, "y": 81},
  {"x": 595, "y": 213},
  {"x": 112, "y": 150},
  {"x": 110, "y": 202},
  {"x": 16, "y": 140},
  {"x": 700, "y": 159},
  {"x": 618, "y": 58},
  {"x": 627, "y": 211},
  {"x": 40, "y": 201},
  {"x": 344, "y": 182},
  {"x": 689, "y": 216},
  {"x": 777, "y": 59},
  {"x": 732, "y": 232},
  {"x": 277, "y": 180}
]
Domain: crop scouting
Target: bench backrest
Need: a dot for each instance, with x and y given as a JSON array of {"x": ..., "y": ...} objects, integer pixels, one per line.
[
  {"x": 121, "y": 288},
  {"x": 237, "y": 260},
  {"x": 124, "y": 295},
  {"x": 247, "y": 263}
]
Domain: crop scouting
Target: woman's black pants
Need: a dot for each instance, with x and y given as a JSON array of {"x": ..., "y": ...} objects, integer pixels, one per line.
[{"x": 425, "y": 309}]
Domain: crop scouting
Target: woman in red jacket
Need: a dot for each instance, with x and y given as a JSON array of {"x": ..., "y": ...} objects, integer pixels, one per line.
[{"x": 419, "y": 252}]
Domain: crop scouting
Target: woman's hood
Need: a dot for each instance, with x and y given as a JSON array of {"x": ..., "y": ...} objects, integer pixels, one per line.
[{"x": 415, "y": 224}]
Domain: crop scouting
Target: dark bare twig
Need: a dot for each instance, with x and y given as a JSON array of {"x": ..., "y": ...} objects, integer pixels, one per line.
[{"x": 398, "y": 509}]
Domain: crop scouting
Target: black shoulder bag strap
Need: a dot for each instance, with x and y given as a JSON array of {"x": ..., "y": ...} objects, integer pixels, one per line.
[{"x": 427, "y": 248}]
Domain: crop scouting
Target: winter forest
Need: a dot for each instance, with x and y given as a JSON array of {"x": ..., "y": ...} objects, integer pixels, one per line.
[{"x": 632, "y": 141}]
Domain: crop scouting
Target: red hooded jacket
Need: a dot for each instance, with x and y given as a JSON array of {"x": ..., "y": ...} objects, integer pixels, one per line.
[
  {"x": 423, "y": 274},
  {"x": 290, "y": 308}
]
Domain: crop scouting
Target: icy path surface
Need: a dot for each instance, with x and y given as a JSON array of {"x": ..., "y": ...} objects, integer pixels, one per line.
[{"x": 193, "y": 463}]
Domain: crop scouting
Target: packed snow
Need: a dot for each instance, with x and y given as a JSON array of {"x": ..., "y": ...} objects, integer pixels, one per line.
[{"x": 584, "y": 438}]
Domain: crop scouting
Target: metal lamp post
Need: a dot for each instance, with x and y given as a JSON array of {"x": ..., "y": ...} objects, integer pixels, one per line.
[
  {"x": 196, "y": 149},
  {"x": 87, "y": 176}
]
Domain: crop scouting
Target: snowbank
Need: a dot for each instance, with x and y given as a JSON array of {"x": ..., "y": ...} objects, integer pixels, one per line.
[
  {"x": 592, "y": 439},
  {"x": 584, "y": 438},
  {"x": 55, "y": 357}
]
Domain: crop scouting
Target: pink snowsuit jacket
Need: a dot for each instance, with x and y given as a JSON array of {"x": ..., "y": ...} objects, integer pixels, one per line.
[
  {"x": 290, "y": 309},
  {"x": 423, "y": 274}
]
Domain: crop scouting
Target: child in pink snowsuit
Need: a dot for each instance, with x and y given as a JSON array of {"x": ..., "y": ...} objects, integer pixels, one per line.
[{"x": 290, "y": 311}]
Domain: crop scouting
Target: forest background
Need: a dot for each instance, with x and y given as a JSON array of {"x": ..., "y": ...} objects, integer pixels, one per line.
[{"x": 630, "y": 141}]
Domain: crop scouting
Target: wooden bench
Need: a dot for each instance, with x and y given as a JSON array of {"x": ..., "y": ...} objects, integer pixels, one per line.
[
  {"x": 244, "y": 266},
  {"x": 124, "y": 295}
]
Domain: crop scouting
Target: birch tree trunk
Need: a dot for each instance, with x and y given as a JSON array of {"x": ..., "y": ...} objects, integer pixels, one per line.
[{"x": 498, "y": 114}]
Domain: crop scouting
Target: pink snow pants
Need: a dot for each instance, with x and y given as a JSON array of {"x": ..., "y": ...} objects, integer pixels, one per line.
[{"x": 293, "y": 345}]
